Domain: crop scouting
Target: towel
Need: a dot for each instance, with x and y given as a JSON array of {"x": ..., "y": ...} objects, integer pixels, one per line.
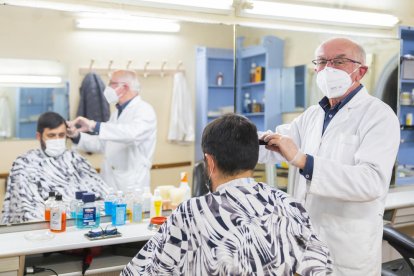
[{"x": 181, "y": 128}]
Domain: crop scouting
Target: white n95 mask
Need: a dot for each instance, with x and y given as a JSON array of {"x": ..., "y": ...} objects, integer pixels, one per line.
[
  {"x": 55, "y": 147},
  {"x": 333, "y": 82},
  {"x": 110, "y": 95}
]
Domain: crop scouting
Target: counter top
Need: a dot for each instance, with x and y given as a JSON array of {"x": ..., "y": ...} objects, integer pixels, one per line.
[
  {"x": 16, "y": 244},
  {"x": 399, "y": 199}
]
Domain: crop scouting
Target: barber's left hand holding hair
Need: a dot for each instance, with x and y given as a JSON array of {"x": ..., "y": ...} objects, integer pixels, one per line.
[
  {"x": 286, "y": 147},
  {"x": 82, "y": 124}
]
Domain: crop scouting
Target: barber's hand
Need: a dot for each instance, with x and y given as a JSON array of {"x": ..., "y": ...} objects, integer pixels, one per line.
[
  {"x": 286, "y": 147},
  {"x": 72, "y": 131},
  {"x": 83, "y": 124}
]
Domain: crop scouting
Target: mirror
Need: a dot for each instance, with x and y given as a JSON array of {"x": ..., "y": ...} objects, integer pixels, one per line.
[
  {"x": 297, "y": 79},
  {"x": 51, "y": 35}
]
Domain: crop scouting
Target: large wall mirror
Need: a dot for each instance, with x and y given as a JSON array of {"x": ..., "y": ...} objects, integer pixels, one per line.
[{"x": 51, "y": 35}]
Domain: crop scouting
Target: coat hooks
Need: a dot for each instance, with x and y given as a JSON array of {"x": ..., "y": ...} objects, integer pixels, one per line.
[{"x": 144, "y": 71}]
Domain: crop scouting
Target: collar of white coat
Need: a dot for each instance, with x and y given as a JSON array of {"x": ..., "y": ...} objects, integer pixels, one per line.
[
  {"x": 236, "y": 182},
  {"x": 359, "y": 97}
]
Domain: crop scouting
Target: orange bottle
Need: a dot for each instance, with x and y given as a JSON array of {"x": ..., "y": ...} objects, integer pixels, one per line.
[{"x": 58, "y": 215}]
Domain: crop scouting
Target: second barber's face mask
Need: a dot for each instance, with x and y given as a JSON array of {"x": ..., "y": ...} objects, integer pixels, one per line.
[
  {"x": 334, "y": 82},
  {"x": 55, "y": 147},
  {"x": 110, "y": 95}
]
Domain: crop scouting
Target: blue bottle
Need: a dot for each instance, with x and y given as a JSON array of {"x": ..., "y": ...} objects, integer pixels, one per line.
[
  {"x": 119, "y": 210},
  {"x": 76, "y": 203},
  {"x": 88, "y": 215},
  {"x": 109, "y": 199}
]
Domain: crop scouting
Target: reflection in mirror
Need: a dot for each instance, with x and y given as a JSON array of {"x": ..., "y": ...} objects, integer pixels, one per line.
[
  {"x": 32, "y": 35},
  {"x": 28, "y": 88},
  {"x": 289, "y": 84},
  {"x": 22, "y": 107}
]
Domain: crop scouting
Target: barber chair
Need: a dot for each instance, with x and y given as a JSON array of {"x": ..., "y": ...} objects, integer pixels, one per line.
[
  {"x": 405, "y": 246},
  {"x": 199, "y": 187}
]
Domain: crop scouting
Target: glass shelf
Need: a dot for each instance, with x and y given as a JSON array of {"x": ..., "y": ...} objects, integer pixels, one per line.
[{"x": 252, "y": 84}]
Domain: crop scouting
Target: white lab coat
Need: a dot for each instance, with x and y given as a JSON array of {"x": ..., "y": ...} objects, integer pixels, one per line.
[
  {"x": 181, "y": 128},
  {"x": 353, "y": 163},
  {"x": 128, "y": 145}
]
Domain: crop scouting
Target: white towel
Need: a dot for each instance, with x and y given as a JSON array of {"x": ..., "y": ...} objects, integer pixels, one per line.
[
  {"x": 181, "y": 117},
  {"x": 5, "y": 119}
]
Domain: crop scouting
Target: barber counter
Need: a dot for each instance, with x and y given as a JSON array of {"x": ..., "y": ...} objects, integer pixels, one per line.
[{"x": 63, "y": 253}]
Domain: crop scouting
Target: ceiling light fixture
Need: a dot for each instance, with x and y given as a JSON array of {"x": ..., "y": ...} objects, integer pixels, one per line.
[
  {"x": 138, "y": 24},
  {"x": 30, "y": 79},
  {"x": 214, "y": 6},
  {"x": 316, "y": 14}
]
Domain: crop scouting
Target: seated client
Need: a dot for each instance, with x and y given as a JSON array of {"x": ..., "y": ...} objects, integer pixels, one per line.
[
  {"x": 241, "y": 227},
  {"x": 51, "y": 167}
]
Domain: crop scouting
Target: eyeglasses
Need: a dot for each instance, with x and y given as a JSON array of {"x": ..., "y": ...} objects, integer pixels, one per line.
[
  {"x": 100, "y": 233},
  {"x": 115, "y": 83},
  {"x": 337, "y": 62}
]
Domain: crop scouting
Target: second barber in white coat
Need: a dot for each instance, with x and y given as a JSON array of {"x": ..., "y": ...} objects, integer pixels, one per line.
[
  {"x": 344, "y": 149},
  {"x": 127, "y": 140}
]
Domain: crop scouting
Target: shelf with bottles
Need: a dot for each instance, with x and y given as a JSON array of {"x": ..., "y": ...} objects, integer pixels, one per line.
[{"x": 224, "y": 87}]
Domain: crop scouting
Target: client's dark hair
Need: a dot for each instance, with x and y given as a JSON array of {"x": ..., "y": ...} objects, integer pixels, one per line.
[
  {"x": 233, "y": 142},
  {"x": 49, "y": 120}
]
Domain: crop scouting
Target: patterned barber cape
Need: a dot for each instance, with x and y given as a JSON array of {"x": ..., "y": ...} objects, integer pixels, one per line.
[
  {"x": 34, "y": 174},
  {"x": 244, "y": 228}
]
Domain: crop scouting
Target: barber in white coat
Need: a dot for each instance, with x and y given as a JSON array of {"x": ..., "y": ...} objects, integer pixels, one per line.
[
  {"x": 344, "y": 149},
  {"x": 127, "y": 140}
]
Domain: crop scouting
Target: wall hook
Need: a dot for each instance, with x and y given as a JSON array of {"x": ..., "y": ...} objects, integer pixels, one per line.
[
  {"x": 128, "y": 64},
  {"x": 145, "y": 69},
  {"x": 162, "y": 68},
  {"x": 180, "y": 63},
  {"x": 91, "y": 65}
]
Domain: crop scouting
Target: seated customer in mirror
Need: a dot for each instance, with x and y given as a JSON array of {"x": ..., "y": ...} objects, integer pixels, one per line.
[
  {"x": 52, "y": 167},
  {"x": 241, "y": 227}
]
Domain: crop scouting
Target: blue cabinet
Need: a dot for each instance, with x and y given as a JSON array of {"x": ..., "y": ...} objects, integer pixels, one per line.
[
  {"x": 405, "y": 110},
  {"x": 263, "y": 92},
  {"x": 214, "y": 88},
  {"x": 264, "y": 88},
  {"x": 32, "y": 102}
]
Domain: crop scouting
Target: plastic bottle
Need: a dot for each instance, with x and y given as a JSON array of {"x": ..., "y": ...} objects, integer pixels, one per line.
[
  {"x": 146, "y": 201},
  {"x": 157, "y": 204},
  {"x": 76, "y": 203},
  {"x": 253, "y": 72},
  {"x": 219, "y": 79},
  {"x": 109, "y": 198},
  {"x": 88, "y": 215},
  {"x": 129, "y": 200},
  {"x": 58, "y": 215},
  {"x": 119, "y": 209},
  {"x": 184, "y": 185},
  {"x": 137, "y": 206},
  {"x": 247, "y": 103},
  {"x": 48, "y": 203}
]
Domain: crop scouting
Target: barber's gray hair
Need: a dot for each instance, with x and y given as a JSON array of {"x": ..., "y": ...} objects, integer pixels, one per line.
[
  {"x": 131, "y": 78},
  {"x": 360, "y": 54}
]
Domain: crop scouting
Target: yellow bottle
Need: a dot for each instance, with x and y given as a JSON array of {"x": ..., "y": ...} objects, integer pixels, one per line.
[{"x": 157, "y": 203}]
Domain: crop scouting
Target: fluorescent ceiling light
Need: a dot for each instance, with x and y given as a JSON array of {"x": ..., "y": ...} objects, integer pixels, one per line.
[
  {"x": 30, "y": 79},
  {"x": 319, "y": 14},
  {"x": 221, "y": 6},
  {"x": 141, "y": 25}
]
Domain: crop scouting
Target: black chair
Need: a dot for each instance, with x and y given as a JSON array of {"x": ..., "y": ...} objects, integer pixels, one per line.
[
  {"x": 405, "y": 246},
  {"x": 199, "y": 186}
]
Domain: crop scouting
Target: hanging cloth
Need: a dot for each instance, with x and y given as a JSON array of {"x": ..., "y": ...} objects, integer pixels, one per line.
[
  {"x": 5, "y": 119},
  {"x": 92, "y": 103},
  {"x": 181, "y": 117}
]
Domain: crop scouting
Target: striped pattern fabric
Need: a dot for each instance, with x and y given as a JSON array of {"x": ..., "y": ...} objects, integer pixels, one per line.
[
  {"x": 244, "y": 228},
  {"x": 34, "y": 174}
]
